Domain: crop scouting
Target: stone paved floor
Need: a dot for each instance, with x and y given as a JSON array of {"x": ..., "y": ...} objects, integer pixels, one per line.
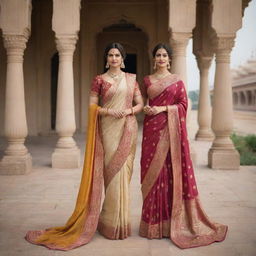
[{"x": 46, "y": 198}]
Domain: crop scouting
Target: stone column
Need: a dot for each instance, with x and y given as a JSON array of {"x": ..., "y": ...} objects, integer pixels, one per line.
[
  {"x": 222, "y": 154},
  {"x": 66, "y": 154},
  {"x": 179, "y": 42},
  {"x": 204, "y": 107},
  {"x": 17, "y": 159}
]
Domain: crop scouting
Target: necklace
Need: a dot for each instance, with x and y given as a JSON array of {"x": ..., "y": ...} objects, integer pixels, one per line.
[
  {"x": 114, "y": 76},
  {"x": 160, "y": 76}
]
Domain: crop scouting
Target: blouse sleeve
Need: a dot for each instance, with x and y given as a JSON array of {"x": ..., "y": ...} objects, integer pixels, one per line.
[
  {"x": 96, "y": 86},
  {"x": 144, "y": 87},
  {"x": 137, "y": 90}
]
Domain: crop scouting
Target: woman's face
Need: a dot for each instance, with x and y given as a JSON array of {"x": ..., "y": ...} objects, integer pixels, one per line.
[
  {"x": 161, "y": 58},
  {"x": 114, "y": 58}
]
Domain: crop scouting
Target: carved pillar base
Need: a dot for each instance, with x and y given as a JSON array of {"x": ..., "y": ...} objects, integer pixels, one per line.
[
  {"x": 204, "y": 135},
  {"x": 223, "y": 159},
  {"x": 16, "y": 165},
  {"x": 66, "y": 158}
]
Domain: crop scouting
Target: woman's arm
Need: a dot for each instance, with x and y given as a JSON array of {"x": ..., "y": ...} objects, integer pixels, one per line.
[{"x": 139, "y": 104}]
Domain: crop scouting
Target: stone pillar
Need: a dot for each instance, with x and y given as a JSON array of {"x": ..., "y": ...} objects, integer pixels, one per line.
[
  {"x": 66, "y": 154},
  {"x": 179, "y": 42},
  {"x": 15, "y": 24},
  {"x": 65, "y": 22},
  {"x": 17, "y": 159},
  {"x": 180, "y": 33},
  {"x": 222, "y": 154},
  {"x": 204, "y": 107}
]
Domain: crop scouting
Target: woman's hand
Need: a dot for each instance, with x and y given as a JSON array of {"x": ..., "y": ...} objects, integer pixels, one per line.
[
  {"x": 154, "y": 110},
  {"x": 148, "y": 110},
  {"x": 116, "y": 113},
  {"x": 127, "y": 112}
]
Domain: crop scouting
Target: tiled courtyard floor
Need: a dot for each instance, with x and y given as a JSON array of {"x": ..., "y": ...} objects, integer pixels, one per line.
[{"x": 46, "y": 198}]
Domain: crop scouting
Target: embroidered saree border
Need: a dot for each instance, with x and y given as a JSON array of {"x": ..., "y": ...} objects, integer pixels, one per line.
[
  {"x": 152, "y": 231},
  {"x": 190, "y": 226},
  {"x": 122, "y": 152},
  {"x": 157, "y": 162},
  {"x": 156, "y": 88}
]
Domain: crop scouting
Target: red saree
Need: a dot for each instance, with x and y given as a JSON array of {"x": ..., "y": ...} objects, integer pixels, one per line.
[{"x": 171, "y": 206}]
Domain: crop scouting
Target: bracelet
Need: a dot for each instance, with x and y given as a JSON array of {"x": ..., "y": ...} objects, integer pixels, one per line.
[{"x": 132, "y": 111}]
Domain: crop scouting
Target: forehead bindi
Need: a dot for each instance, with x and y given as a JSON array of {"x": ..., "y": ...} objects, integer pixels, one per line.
[{"x": 114, "y": 51}]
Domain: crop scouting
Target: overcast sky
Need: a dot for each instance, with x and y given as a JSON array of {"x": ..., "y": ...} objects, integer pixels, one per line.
[{"x": 244, "y": 49}]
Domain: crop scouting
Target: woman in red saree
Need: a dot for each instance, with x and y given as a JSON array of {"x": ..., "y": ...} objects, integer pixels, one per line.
[
  {"x": 171, "y": 206},
  {"x": 110, "y": 150}
]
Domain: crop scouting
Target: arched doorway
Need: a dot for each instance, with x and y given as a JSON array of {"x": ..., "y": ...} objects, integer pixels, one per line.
[{"x": 135, "y": 42}]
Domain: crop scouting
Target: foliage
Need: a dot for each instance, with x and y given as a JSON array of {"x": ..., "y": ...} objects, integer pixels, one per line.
[
  {"x": 251, "y": 142},
  {"x": 194, "y": 96},
  {"x": 246, "y": 146}
]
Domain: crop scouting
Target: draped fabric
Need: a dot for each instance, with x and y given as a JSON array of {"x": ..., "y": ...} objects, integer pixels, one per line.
[
  {"x": 119, "y": 141},
  {"x": 82, "y": 224},
  {"x": 171, "y": 205},
  {"x": 109, "y": 159}
]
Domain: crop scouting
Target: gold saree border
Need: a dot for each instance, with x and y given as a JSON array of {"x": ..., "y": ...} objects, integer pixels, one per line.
[
  {"x": 159, "y": 86},
  {"x": 152, "y": 231},
  {"x": 156, "y": 164},
  {"x": 123, "y": 150},
  {"x": 190, "y": 226}
]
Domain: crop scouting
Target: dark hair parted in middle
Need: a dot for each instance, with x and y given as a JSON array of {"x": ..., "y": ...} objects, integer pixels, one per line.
[
  {"x": 162, "y": 46},
  {"x": 116, "y": 46}
]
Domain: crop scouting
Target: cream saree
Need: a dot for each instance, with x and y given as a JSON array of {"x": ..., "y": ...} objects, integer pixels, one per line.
[
  {"x": 109, "y": 157},
  {"x": 119, "y": 142}
]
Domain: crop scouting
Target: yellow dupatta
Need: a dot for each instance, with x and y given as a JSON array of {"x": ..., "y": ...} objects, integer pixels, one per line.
[{"x": 67, "y": 236}]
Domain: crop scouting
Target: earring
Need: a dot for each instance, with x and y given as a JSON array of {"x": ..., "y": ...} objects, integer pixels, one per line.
[
  {"x": 107, "y": 65},
  {"x": 168, "y": 65},
  {"x": 122, "y": 64},
  {"x": 154, "y": 67}
]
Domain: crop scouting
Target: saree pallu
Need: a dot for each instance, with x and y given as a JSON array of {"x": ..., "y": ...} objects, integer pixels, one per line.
[
  {"x": 171, "y": 205},
  {"x": 109, "y": 159},
  {"x": 82, "y": 224}
]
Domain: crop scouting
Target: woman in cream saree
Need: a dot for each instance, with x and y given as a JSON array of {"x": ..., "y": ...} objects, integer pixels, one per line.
[
  {"x": 110, "y": 150},
  {"x": 171, "y": 205}
]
